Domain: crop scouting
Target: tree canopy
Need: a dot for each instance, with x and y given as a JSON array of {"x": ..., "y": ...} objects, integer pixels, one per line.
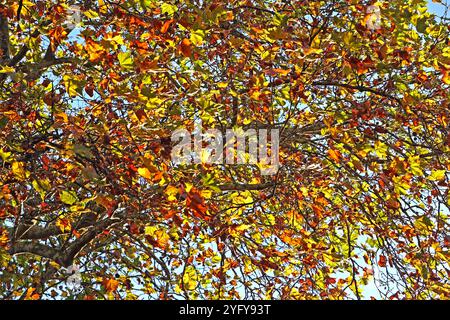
[{"x": 91, "y": 92}]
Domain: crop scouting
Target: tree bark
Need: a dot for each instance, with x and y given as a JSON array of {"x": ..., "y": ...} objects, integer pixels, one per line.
[{"x": 4, "y": 40}]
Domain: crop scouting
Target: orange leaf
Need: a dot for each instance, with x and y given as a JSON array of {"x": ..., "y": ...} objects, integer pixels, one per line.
[
  {"x": 141, "y": 115},
  {"x": 110, "y": 285},
  {"x": 31, "y": 295},
  {"x": 335, "y": 155},
  {"x": 275, "y": 71},
  {"x": 94, "y": 50},
  {"x": 148, "y": 64},
  {"x": 446, "y": 77},
  {"x": 166, "y": 26},
  {"x": 317, "y": 210},
  {"x": 186, "y": 47},
  {"x": 3, "y": 238}
]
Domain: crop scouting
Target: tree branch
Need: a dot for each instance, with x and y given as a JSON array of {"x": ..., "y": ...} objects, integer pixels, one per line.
[
  {"x": 34, "y": 248},
  {"x": 23, "y": 51},
  {"x": 4, "y": 39},
  {"x": 243, "y": 187},
  {"x": 87, "y": 237},
  {"x": 358, "y": 88},
  {"x": 35, "y": 232}
]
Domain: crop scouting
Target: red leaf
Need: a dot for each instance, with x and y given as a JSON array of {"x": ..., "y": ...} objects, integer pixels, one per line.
[
  {"x": 196, "y": 202},
  {"x": 382, "y": 261}
]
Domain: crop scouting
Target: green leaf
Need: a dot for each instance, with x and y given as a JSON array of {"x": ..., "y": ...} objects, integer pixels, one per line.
[
  {"x": 83, "y": 151},
  {"x": 68, "y": 197},
  {"x": 422, "y": 25},
  {"x": 146, "y": 3},
  {"x": 126, "y": 60},
  {"x": 3, "y": 122},
  {"x": 41, "y": 186}
]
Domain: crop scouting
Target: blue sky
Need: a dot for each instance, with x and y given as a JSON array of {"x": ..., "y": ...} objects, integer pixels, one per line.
[{"x": 437, "y": 8}]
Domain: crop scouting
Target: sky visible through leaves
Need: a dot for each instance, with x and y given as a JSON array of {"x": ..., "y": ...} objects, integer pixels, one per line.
[{"x": 357, "y": 207}]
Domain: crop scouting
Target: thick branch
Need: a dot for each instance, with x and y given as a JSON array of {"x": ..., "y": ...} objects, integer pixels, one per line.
[
  {"x": 87, "y": 237},
  {"x": 35, "y": 232},
  {"x": 62, "y": 257},
  {"x": 27, "y": 232},
  {"x": 34, "y": 248},
  {"x": 4, "y": 39}
]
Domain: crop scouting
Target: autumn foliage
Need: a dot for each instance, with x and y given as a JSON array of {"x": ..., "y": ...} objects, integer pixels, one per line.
[{"x": 89, "y": 99}]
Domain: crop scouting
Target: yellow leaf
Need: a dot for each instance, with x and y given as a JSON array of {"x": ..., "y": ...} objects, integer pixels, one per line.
[
  {"x": 309, "y": 51},
  {"x": 150, "y": 230},
  {"x": 171, "y": 192},
  {"x": 188, "y": 186},
  {"x": 242, "y": 227},
  {"x": 41, "y": 186},
  {"x": 381, "y": 149},
  {"x": 190, "y": 278},
  {"x": 168, "y": 8},
  {"x": 5, "y": 155},
  {"x": 102, "y": 6},
  {"x": 415, "y": 167},
  {"x": 423, "y": 224},
  {"x": 400, "y": 186},
  {"x": 91, "y": 14},
  {"x": 197, "y": 37},
  {"x": 7, "y": 69},
  {"x": 295, "y": 294},
  {"x": 437, "y": 175},
  {"x": 446, "y": 77},
  {"x": 19, "y": 170},
  {"x": 71, "y": 85},
  {"x": 144, "y": 172}
]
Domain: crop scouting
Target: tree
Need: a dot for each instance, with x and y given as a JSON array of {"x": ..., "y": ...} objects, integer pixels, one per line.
[{"x": 92, "y": 91}]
